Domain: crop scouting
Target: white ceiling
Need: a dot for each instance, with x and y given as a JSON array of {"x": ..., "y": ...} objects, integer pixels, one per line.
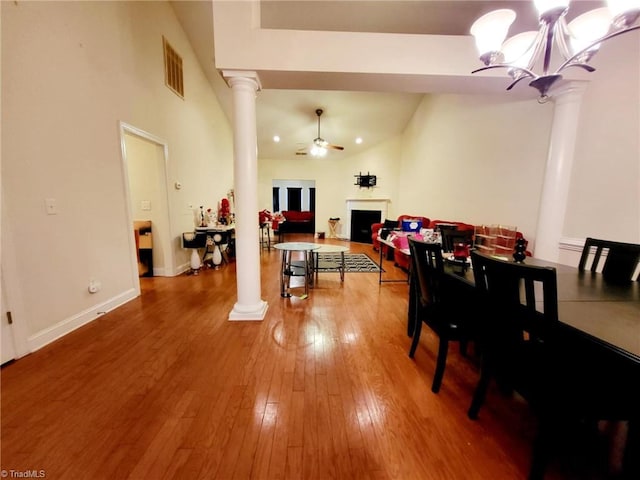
[{"x": 372, "y": 115}]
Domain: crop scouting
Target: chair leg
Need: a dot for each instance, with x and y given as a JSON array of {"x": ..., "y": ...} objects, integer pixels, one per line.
[
  {"x": 441, "y": 363},
  {"x": 480, "y": 393},
  {"x": 463, "y": 347},
  {"x": 412, "y": 310},
  {"x": 416, "y": 337},
  {"x": 540, "y": 450}
]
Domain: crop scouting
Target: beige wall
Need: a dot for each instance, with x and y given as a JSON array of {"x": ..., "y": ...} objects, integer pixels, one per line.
[
  {"x": 334, "y": 177},
  {"x": 475, "y": 159},
  {"x": 71, "y": 72}
]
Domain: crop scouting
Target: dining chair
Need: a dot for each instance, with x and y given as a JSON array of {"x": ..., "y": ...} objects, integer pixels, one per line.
[
  {"x": 435, "y": 305},
  {"x": 516, "y": 339},
  {"x": 620, "y": 263}
]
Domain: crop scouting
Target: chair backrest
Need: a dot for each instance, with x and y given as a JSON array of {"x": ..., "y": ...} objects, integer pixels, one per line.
[
  {"x": 521, "y": 303},
  {"x": 427, "y": 270},
  {"x": 621, "y": 260},
  {"x": 450, "y": 237}
]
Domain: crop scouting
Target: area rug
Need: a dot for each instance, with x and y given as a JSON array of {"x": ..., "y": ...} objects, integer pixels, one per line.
[{"x": 353, "y": 262}]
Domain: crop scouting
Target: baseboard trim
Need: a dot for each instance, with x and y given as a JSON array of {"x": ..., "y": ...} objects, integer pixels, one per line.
[
  {"x": 571, "y": 244},
  {"x": 60, "y": 329}
]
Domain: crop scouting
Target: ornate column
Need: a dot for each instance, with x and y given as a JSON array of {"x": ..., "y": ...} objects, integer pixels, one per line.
[
  {"x": 249, "y": 305},
  {"x": 557, "y": 177}
]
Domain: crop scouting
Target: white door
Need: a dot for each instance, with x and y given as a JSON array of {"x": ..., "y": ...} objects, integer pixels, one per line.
[{"x": 8, "y": 352}]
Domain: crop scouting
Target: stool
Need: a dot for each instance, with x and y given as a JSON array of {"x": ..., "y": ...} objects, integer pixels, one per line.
[
  {"x": 333, "y": 223},
  {"x": 265, "y": 236}
]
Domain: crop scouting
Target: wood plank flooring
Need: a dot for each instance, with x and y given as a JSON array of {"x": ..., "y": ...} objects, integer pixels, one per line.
[{"x": 165, "y": 387}]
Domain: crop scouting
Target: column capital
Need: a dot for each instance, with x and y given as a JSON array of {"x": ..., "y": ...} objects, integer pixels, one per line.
[
  {"x": 242, "y": 77},
  {"x": 569, "y": 91}
]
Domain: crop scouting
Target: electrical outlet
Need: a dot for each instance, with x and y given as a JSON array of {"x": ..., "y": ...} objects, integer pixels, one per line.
[{"x": 94, "y": 286}]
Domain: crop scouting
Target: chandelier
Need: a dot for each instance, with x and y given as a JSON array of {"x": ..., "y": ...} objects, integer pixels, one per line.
[{"x": 576, "y": 41}]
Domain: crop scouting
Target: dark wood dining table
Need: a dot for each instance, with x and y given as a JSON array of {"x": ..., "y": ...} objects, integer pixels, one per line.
[
  {"x": 608, "y": 313},
  {"x": 598, "y": 328}
]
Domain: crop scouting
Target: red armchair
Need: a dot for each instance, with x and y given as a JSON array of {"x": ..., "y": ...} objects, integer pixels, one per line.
[{"x": 375, "y": 227}]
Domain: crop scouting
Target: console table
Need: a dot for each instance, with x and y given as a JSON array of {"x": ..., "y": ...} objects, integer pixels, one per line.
[{"x": 392, "y": 246}]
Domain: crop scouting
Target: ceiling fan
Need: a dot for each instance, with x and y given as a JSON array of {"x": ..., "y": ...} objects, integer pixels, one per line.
[{"x": 320, "y": 146}]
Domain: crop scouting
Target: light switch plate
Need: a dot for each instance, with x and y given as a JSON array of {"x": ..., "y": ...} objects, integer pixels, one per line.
[
  {"x": 145, "y": 204},
  {"x": 51, "y": 206}
]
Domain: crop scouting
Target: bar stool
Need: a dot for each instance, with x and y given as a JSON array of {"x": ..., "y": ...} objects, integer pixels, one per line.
[{"x": 265, "y": 236}]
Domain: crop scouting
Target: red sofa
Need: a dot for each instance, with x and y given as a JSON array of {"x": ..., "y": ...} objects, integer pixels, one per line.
[
  {"x": 298, "y": 222},
  {"x": 375, "y": 228},
  {"x": 403, "y": 259}
]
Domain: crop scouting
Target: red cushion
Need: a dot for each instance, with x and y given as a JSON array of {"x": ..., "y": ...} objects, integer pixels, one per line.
[{"x": 296, "y": 216}]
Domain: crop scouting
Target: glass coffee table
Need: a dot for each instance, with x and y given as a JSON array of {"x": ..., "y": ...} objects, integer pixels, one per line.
[
  {"x": 296, "y": 268},
  {"x": 329, "y": 265}
]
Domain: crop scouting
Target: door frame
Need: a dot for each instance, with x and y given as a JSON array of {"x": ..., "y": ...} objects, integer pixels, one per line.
[{"x": 164, "y": 238}]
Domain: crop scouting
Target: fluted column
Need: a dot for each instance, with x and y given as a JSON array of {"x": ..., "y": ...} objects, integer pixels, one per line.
[
  {"x": 557, "y": 177},
  {"x": 249, "y": 305}
]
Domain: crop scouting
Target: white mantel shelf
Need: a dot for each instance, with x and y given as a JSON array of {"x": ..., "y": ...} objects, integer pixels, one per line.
[{"x": 368, "y": 200}]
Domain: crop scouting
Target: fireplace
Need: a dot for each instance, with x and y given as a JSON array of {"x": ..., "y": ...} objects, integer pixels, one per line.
[
  {"x": 361, "y": 221},
  {"x": 379, "y": 207}
]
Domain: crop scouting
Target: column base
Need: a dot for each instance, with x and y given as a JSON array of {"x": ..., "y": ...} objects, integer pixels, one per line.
[{"x": 252, "y": 312}]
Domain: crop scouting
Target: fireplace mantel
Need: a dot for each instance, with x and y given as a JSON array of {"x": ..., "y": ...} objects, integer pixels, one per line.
[
  {"x": 368, "y": 200},
  {"x": 380, "y": 204}
]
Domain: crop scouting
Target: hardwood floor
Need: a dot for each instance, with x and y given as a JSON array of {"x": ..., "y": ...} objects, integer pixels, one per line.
[{"x": 165, "y": 387}]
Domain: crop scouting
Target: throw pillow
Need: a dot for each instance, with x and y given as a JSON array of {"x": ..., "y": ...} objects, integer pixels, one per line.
[{"x": 390, "y": 224}]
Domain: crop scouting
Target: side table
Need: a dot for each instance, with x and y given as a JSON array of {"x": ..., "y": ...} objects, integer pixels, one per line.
[
  {"x": 296, "y": 269},
  {"x": 333, "y": 224}
]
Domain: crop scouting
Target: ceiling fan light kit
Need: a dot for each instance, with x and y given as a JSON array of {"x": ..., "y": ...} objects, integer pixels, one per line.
[
  {"x": 320, "y": 146},
  {"x": 576, "y": 41}
]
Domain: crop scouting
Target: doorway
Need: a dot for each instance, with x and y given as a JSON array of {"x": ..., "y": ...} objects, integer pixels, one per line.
[
  {"x": 145, "y": 159},
  {"x": 294, "y": 195}
]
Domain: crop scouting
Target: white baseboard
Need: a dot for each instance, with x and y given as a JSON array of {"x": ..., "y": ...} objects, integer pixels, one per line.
[
  {"x": 185, "y": 267},
  {"x": 572, "y": 244},
  {"x": 60, "y": 329}
]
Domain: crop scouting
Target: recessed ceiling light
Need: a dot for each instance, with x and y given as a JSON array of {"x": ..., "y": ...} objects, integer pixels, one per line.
[
  {"x": 358, "y": 140},
  {"x": 276, "y": 138}
]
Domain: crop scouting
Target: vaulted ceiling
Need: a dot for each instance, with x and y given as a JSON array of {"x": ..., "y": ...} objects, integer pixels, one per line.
[{"x": 374, "y": 115}]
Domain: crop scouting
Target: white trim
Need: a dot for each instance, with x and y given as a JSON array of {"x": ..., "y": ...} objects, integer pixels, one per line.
[
  {"x": 381, "y": 204},
  {"x": 571, "y": 244},
  {"x": 169, "y": 259},
  {"x": 68, "y": 325},
  {"x": 241, "y": 313}
]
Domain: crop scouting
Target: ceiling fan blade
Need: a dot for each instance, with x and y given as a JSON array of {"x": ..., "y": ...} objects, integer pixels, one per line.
[
  {"x": 335, "y": 147},
  {"x": 301, "y": 153}
]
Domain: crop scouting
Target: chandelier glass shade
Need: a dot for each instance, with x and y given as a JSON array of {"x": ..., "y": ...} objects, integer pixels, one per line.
[{"x": 575, "y": 42}]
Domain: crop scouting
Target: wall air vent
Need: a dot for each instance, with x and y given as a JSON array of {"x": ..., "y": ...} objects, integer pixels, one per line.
[{"x": 172, "y": 69}]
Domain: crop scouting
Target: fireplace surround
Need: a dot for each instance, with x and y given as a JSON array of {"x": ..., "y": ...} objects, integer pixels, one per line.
[{"x": 379, "y": 205}]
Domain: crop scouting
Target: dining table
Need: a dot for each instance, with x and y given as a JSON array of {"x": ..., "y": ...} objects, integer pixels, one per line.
[{"x": 598, "y": 331}]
